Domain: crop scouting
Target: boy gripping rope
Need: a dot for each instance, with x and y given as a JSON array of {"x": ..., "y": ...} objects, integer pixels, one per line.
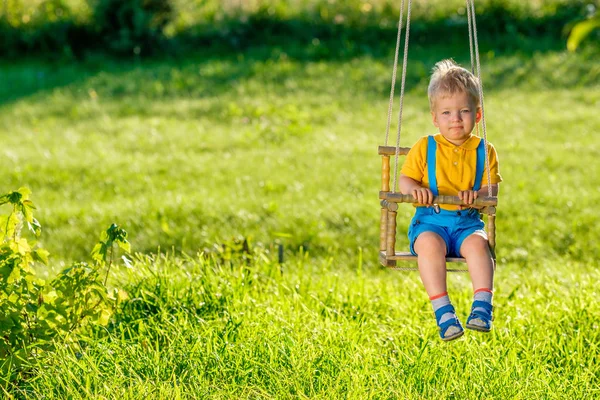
[{"x": 452, "y": 163}]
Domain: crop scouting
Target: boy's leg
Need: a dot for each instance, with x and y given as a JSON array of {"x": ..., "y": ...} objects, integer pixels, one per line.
[
  {"x": 475, "y": 249},
  {"x": 431, "y": 252}
]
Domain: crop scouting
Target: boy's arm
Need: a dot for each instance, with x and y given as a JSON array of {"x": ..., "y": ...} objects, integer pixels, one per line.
[{"x": 410, "y": 186}]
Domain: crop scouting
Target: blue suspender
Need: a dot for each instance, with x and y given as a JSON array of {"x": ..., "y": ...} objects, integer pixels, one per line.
[
  {"x": 431, "y": 150},
  {"x": 480, "y": 165}
]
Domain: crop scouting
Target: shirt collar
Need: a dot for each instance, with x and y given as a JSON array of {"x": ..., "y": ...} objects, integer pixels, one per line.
[{"x": 470, "y": 144}]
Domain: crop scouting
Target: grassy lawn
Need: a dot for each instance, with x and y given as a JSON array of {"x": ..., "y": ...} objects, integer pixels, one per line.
[
  {"x": 324, "y": 330},
  {"x": 191, "y": 154}
]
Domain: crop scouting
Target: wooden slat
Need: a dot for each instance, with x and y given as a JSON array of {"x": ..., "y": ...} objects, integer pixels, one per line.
[
  {"x": 409, "y": 257},
  {"x": 391, "y": 232},
  {"x": 391, "y": 150},
  {"x": 491, "y": 231},
  {"x": 383, "y": 229},
  {"x": 450, "y": 200},
  {"x": 392, "y": 263},
  {"x": 384, "y": 261},
  {"x": 489, "y": 210},
  {"x": 385, "y": 174}
]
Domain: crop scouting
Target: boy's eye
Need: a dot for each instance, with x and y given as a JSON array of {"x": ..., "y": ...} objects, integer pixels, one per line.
[
  {"x": 445, "y": 112},
  {"x": 466, "y": 110}
]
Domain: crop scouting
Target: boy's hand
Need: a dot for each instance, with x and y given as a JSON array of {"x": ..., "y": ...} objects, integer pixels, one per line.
[
  {"x": 467, "y": 197},
  {"x": 423, "y": 195}
]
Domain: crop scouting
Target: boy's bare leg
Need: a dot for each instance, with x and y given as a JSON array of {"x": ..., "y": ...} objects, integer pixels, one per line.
[
  {"x": 431, "y": 251},
  {"x": 475, "y": 249}
]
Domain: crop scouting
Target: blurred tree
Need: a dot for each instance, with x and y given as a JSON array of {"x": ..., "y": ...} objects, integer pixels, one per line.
[{"x": 132, "y": 26}]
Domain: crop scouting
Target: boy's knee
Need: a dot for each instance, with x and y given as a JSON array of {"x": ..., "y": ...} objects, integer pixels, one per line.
[
  {"x": 430, "y": 242},
  {"x": 475, "y": 243}
]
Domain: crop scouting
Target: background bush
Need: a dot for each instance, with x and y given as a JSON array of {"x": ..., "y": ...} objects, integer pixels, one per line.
[
  {"x": 131, "y": 26},
  {"x": 147, "y": 27}
]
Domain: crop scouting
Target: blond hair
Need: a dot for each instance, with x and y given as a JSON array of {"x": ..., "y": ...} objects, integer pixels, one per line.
[{"x": 449, "y": 78}]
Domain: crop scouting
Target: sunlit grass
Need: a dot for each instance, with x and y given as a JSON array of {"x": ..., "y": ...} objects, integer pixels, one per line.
[{"x": 317, "y": 329}]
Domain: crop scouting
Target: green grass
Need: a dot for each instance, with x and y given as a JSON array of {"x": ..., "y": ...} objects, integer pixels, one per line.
[
  {"x": 188, "y": 154},
  {"x": 200, "y": 329}
]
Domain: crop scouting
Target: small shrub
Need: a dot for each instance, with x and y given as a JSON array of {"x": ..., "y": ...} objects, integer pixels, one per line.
[{"x": 35, "y": 314}]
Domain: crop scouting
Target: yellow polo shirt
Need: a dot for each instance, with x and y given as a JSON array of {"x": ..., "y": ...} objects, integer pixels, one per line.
[{"x": 455, "y": 165}]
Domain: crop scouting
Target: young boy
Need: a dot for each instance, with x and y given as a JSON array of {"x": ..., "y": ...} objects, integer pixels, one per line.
[{"x": 446, "y": 164}]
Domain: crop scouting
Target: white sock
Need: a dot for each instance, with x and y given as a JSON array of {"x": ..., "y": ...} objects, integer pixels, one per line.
[
  {"x": 482, "y": 295},
  {"x": 440, "y": 301}
]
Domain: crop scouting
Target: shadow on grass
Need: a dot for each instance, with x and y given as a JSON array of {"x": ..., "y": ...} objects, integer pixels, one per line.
[{"x": 512, "y": 42}]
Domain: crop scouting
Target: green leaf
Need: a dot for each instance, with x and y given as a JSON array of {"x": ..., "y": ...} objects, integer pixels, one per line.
[
  {"x": 5, "y": 270},
  {"x": 580, "y": 31},
  {"x": 3, "y": 222},
  {"x": 41, "y": 255},
  {"x": 15, "y": 198},
  {"x": 6, "y": 324},
  {"x": 116, "y": 234},
  {"x": 13, "y": 298},
  {"x": 27, "y": 208},
  {"x": 124, "y": 244},
  {"x": 11, "y": 225},
  {"x": 24, "y": 192},
  {"x": 99, "y": 252},
  {"x": 104, "y": 317},
  {"x": 14, "y": 276},
  {"x": 20, "y": 246}
]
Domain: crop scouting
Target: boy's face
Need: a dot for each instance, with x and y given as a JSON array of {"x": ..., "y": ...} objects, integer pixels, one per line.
[{"x": 455, "y": 115}]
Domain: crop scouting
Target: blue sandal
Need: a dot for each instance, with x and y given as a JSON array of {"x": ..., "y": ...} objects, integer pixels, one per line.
[
  {"x": 481, "y": 320},
  {"x": 450, "y": 329}
]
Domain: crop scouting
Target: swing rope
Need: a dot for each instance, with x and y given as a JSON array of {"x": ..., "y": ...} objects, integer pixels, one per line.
[
  {"x": 475, "y": 69},
  {"x": 402, "y": 86},
  {"x": 473, "y": 33},
  {"x": 404, "y": 63},
  {"x": 394, "y": 71},
  {"x": 470, "y": 24}
]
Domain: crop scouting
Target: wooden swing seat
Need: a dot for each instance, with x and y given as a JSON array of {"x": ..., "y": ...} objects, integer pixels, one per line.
[{"x": 388, "y": 256}]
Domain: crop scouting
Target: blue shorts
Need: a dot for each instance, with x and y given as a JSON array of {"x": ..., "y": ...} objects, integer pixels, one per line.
[{"x": 452, "y": 226}]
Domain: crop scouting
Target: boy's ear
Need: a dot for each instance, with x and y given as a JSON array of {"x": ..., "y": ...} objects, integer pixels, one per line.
[
  {"x": 478, "y": 115},
  {"x": 434, "y": 119}
]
